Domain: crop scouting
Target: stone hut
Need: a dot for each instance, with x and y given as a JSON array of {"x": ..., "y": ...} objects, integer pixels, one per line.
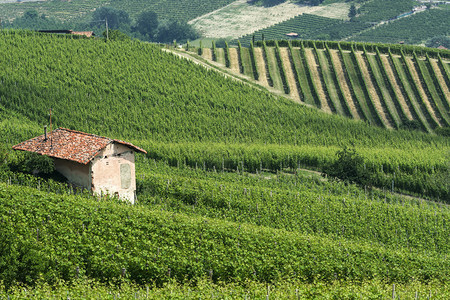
[{"x": 99, "y": 164}]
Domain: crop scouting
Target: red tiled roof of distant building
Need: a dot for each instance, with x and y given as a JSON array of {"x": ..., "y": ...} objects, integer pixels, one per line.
[
  {"x": 85, "y": 33},
  {"x": 70, "y": 144}
]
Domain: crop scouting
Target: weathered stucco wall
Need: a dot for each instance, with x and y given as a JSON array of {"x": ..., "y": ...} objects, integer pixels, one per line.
[
  {"x": 76, "y": 173},
  {"x": 113, "y": 172}
]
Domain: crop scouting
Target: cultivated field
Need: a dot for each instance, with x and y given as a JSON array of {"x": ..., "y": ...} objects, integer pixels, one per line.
[
  {"x": 240, "y": 18},
  {"x": 381, "y": 88}
]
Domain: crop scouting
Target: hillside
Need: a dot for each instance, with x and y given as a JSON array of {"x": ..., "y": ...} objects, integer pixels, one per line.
[
  {"x": 378, "y": 21},
  {"x": 372, "y": 20},
  {"x": 81, "y": 10},
  {"x": 386, "y": 88},
  {"x": 224, "y": 206}
]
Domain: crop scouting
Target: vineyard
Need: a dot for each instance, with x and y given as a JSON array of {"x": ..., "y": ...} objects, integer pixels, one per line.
[
  {"x": 383, "y": 10},
  {"x": 307, "y": 26},
  {"x": 430, "y": 23},
  {"x": 231, "y": 200},
  {"x": 389, "y": 90},
  {"x": 200, "y": 227},
  {"x": 80, "y": 10}
]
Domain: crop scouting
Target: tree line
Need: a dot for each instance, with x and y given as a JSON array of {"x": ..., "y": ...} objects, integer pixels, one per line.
[{"x": 147, "y": 26}]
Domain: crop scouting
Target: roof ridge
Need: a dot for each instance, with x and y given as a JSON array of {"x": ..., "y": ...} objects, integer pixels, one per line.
[{"x": 85, "y": 133}]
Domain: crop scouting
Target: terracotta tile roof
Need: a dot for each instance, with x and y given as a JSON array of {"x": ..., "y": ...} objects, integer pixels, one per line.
[{"x": 70, "y": 145}]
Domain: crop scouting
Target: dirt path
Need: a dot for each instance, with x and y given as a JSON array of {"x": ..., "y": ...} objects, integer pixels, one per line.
[
  {"x": 316, "y": 77},
  {"x": 372, "y": 91},
  {"x": 284, "y": 54},
  {"x": 422, "y": 93},
  {"x": 397, "y": 89},
  {"x": 261, "y": 66},
  {"x": 234, "y": 60},
  {"x": 440, "y": 77},
  {"x": 345, "y": 89},
  {"x": 207, "y": 53}
]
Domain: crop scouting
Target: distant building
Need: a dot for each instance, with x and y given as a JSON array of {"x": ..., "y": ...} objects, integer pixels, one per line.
[
  {"x": 99, "y": 164},
  {"x": 292, "y": 34},
  {"x": 442, "y": 47},
  {"x": 85, "y": 33}
]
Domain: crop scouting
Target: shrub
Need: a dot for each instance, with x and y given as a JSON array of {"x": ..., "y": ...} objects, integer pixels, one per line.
[
  {"x": 34, "y": 163},
  {"x": 348, "y": 167}
]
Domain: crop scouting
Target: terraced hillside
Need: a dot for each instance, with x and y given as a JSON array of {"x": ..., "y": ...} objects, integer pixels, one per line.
[
  {"x": 308, "y": 26},
  {"x": 415, "y": 29},
  {"x": 384, "y": 89},
  {"x": 377, "y": 21}
]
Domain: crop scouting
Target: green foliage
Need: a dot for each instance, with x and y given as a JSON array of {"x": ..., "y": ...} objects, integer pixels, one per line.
[
  {"x": 147, "y": 23},
  {"x": 377, "y": 10},
  {"x": 33, "y": 163},
  {"x": 88, "y": 90},
  {"x": 283, "y": 75},
  {"x": 439, "y": 41},
  {"x": 86, "y": 288},
  {"x": 306, "y": 25},
  {"x": 241, "y": 58},
  {"x": 32, "y": 20},
  {"x": 428, "y": 24},
  {"x": 253, "y": 60},
  {"x": 4, "y": 153},
  {"x": 195, "y": 231},
  {"x": 200, "y": 49},
  {"x": 114, "y": 17},
  {"x": 266, "y": 3},
  {"x": 349, "y": 167},
  {"x": 175, "y": 30},
  {"x": 443, "y": 131},
  {"x": 352, "y": 12},
  {"x": 116, "y": 35},
  {"x": 227, "y": 55},
  {"x": 107, "y": 240},
  {"x": 294, "y": 202}
]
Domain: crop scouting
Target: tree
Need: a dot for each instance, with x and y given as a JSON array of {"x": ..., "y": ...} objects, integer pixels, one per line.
[
  {"x": 116, "y": 35},
  {"x": 115, "y": 17},
  {"x": 348, "y": 167},
  {"x": 32, "y": 20},
  {"x": 176, "y": 30},
  {"x": 30, "y": 14},
  {"x": 147, "y": 23},
  {"x": 439, "y": 41},
  {"x": 352, "y": 12}
]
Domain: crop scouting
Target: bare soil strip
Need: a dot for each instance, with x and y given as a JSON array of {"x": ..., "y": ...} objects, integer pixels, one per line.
[
  {"x": 440, "y": 77},
  {"x": 372, "y": 91},
  {"x": 284, "y": 54},
  {"x": 345, "y": 89},
  {"x": 316, "y": 77},
  {"x": 261, "y": 66},
  {"x": 397, "y": 88},
  {"x": 220, "y": 53},
  {"x": 207, "y": 53},
  {"x": 422, "y": 93},
  {"x": 234, "y": 60}
]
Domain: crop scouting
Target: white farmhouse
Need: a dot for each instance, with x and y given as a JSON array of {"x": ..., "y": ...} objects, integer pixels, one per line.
[{"x": 100, "y": 164}]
